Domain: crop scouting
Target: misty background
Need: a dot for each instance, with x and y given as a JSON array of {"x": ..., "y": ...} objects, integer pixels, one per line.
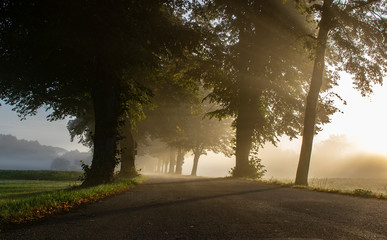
[
  {"x": 336, "y": 157},
  {"x": 20, "y": 154},
  {"x": 351, "y": 146}
]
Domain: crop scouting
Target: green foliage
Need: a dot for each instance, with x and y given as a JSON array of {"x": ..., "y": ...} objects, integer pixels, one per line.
[
  {"x": 356, "y": 40},
  {"x": 39, "y": 175},
  {"x": 362, "y": 192},
  {"x": 267, "y": 75},
  {"x": 255, "y": 169},
  {"x": 54, "y": 54},
  {"x": 86, "y": 171}
]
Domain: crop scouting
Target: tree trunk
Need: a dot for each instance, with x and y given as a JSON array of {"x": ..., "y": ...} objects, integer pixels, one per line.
[
  {"x": 179, "y": 161},
  {"x": 159, "y": 164},
  {"x": 248, "y": 106},
  {"x": 195, "y": 163},
  {"x": 166, "y": 162},
  {"x": 128, "y": 151},
  {"x": 245, "y": 125},
  {"x": 312, "y": 99},
  {"x": 106, "y": 105},
  {"x": 172, "y": 161}
]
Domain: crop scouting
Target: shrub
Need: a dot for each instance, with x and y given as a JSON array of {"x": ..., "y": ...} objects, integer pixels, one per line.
[
  {"x": 362, "y": 192},
  {"x": 256, "y": 170}
]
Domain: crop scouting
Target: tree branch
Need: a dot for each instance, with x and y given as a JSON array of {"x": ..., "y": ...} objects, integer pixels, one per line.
[{"x": 361, "y": 4}]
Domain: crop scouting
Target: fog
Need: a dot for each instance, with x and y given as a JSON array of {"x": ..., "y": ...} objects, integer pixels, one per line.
[
  {"x": 20, "y": 154},
  {"x": 336, "y": 157}
]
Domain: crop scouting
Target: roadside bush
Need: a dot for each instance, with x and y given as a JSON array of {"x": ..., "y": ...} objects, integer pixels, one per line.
[
  {"x": 255, "y": 171},
  {"x": 362, "y": 192}
]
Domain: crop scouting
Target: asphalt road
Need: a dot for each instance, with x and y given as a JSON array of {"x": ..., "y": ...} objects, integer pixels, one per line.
[{"x": 205, "y": 208}]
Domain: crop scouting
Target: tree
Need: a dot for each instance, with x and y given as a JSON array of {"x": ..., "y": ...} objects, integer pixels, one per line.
[
  {"x": 57, "y": 55},
  {"x": 211, "y": 135},
  {"x": 257, "y": 70},
  {"x": 128, "y": 151},
  {"x": 156, "y": 149},
  {"x": 354, "y": 35},
  {"x": 174, "y": 95},
  {"x": 201, "y": 134},
  {"x": 60, "y": 164}
]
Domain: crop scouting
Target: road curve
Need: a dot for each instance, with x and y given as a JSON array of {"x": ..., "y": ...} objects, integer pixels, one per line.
[{"x": 216, "y": 208}]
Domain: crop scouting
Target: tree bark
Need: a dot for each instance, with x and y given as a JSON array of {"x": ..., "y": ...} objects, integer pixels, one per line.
[
  {"x": 245, "y": 125},
  {"x": 106, "y": 112},
  {"x": 179, "y": 161},
  {"x": 312, "y": 99},
  {"x": 248, "y": 107},
  {"x": 128, "y": 151},
  {"x": 172, "y": 161},
  {"x": 195, "y": 163}
]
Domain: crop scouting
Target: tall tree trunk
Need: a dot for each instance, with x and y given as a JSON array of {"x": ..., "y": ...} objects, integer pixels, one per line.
[
  {"x": 172, "y": 161},
  {"x": 106, "y": 112},
  {"x": 179, "y": 161},
  {"x": 245, "y": 125},
  {"x": 249, "y": 97},
  {"x": 312, "y": 99},
  {"x": 128, "y": 151},
  {"x": 195, "y": 163}
]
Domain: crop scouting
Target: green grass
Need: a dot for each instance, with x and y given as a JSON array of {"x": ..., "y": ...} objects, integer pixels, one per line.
[
  {"x": 372, "y": 188},
  {"x": 19, "y": 189},
  {"x": 40, "y": 175},
  {"x": 28, "y": 200},
  {"x": 44, "y": 204}
]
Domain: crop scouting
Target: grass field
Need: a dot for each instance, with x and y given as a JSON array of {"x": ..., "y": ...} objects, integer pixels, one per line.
[
  {"x": 19, "y": 184},
  {"x": 351, "y": 184},
  {"x": 23, "y": 200},
  {"x": 19, "y": 189},
  {"x": 377, "y": 186}
]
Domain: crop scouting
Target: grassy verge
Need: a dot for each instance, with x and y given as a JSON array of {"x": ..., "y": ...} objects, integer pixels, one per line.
[
  {"x": 19, "y": 189},
  {"x": 40, "y": 175},
  {"x": 356, "y": 192},
  {"x": 44, "y": 204}
]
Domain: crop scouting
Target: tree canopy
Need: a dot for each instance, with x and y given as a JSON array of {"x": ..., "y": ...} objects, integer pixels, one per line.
[
  {"x": 65, "y": 54},
  {"x": 261, "y": 81},
  {"x": 263, "y": 64}
]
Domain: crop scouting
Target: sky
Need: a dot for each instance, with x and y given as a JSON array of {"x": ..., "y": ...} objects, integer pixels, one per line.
[
  {"x": 363, "y": 121},
  {"x": 37, "y": 128},
  {"x": 361, "y": 129}
]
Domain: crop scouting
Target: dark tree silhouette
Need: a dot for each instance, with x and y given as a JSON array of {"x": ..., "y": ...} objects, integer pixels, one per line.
[{"x": 64, "y": 55}]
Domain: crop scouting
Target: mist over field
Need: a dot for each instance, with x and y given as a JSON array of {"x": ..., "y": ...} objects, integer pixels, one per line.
[
  {"x": 336, "y": 157},
  {"x": 20, "y": 154}
]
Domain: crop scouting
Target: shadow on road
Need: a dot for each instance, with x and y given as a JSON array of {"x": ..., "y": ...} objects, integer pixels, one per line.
[
  {"x": 128, "y": 210},
  {"x": 187, "y": 180}
]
